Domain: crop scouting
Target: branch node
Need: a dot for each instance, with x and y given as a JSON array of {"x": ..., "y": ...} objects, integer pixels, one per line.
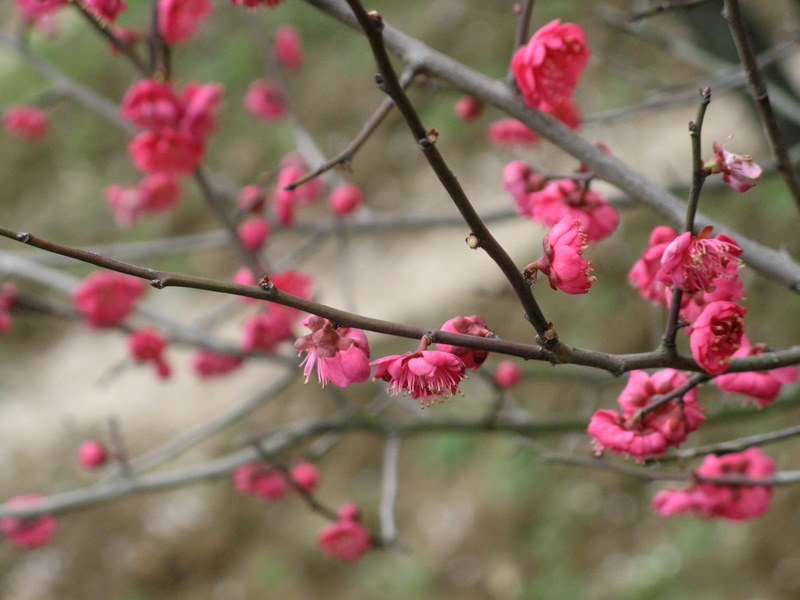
[
  {"x": 376, "y": 18},
  {"x": 473, "y": 241},
  {"x": 23, "y": 237},
  {"x": 157, "y": 283}
]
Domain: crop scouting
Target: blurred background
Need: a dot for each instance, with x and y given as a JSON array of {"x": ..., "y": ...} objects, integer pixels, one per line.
[{"x": 478, "y": 516}]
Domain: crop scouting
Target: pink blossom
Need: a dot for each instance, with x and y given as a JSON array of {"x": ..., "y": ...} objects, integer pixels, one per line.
[
  {"x": 427, "y": 375},
  {"x": 295, "y": 283},
  {"x": 255, "y": 3},
  {"x": 287, "y": 47},
  {"x": 507, "y": 374},
  {"x": 207, "y": 363},
  {"x": 345, "y": 199},
  {"x": 761, "y": 386},
  {"x": 305, "y": 475},
  {"x": 251, "y": 199},
  {"x": 159, "y": 192},
  {"x": 260, "y": 479},
  {"x": 265, "y": 101},
  {"x": 716, "y": 334},
  {"x": 726, "y": 287},
  {"x": 108, "y": 10},
  {"x": 738, "y": 170},
  {"x": 92, "y": 454},
  {"x": 105, "y": 298},
  {"x": 27, "y": 122},
  {"x": 340, "y": 355},
  {"x": 35, "y": 10},
  {"x": 264, "y": 331},
  {"x": 473, "y": 325},
  {"x": 691, "y": 263},
  {"x": 547, "y": 68},
  {"x": 510, "y": 132},
  {"x": 126, "y": 203},
  {"x": 166, "y": 151},
  {"x": 468, "y": 108},
  {"x": 253, "y": 233},
  {"x": 563, "y": 261},
  {"x": 520, "y": 179},
  {"x": 566, "y": 198},
  {"x": 565, "y": 111},
  {"x": 345, "y": 539},
  {"x": 294, "y": 168},
  {"x": 349, "y": 512},
  {"x": 652, "y": 433},
  {"x": 147, "y": 345},
  {"x": 28, "y": 532},
  {"x": 153, "y": 105},
  {"x": 179, "y": 19},
  {"x": 6, "y": 322},
  {"x": 644, "y": 271},
  {"x": 201, "y": 103},
  {"x": 714, "y": 500}
]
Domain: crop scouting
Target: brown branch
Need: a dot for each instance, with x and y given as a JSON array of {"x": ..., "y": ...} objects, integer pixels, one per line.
[
  {"x": 372, "y": 24},
  {"x": 760, "y": 95}
]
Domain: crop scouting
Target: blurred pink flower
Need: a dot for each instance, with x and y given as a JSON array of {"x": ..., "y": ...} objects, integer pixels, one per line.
[
  {"x": 28, "y": 532},
  {"x": 253, "y": 233},
  {"x": 510, "y": 132},
  {"x": 264, "y": 331},
  {"x": 761, "y": 386},
  {"x": 566, "y": 198},
  {"x": 714, "y": 500},
  {"x": 108, "y": 10},
  {"x": 507, "y": 374},
  {"x": 644, "y": 271},
  {"x": 179, "y": 19},
  {"x": 264, "y": 100},
  {"x": 166, "y": 151},
  {"x": 105, "y": 298},
  {"x": 345, "y": 199},
  {"x": 345, "y": 539},
  {"x": 305, "y": 475},
  {"x": 26, "y": 122},
  {"x": 92, "y": 454},
  {"x": 287, "y": 47},
  {"x": 468, "y": 108},
  {"x": 207, "y": 363},
  {"x": 260, "y": 479}
]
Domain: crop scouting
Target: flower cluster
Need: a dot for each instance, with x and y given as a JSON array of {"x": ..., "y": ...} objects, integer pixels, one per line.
[
  {"x": 155, "y": 193},
  {"x": 269, "y": 483},
  {"x": 176, "y": 125},
  {"x": 715, "y": 500},
  {"x": 761, "y": 386},
  {"x": 642, "y": 433}
]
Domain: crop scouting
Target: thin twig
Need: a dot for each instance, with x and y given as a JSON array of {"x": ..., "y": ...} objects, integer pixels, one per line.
[
  {"x": 698, "y": 178},
  {"x": 523, "y": 24},
  {"x": 758, "y": 90},
  {"x": 662, "y": 7},
  {"x": 678, "y": 392},
  {"x": 345, "y": 157}
]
